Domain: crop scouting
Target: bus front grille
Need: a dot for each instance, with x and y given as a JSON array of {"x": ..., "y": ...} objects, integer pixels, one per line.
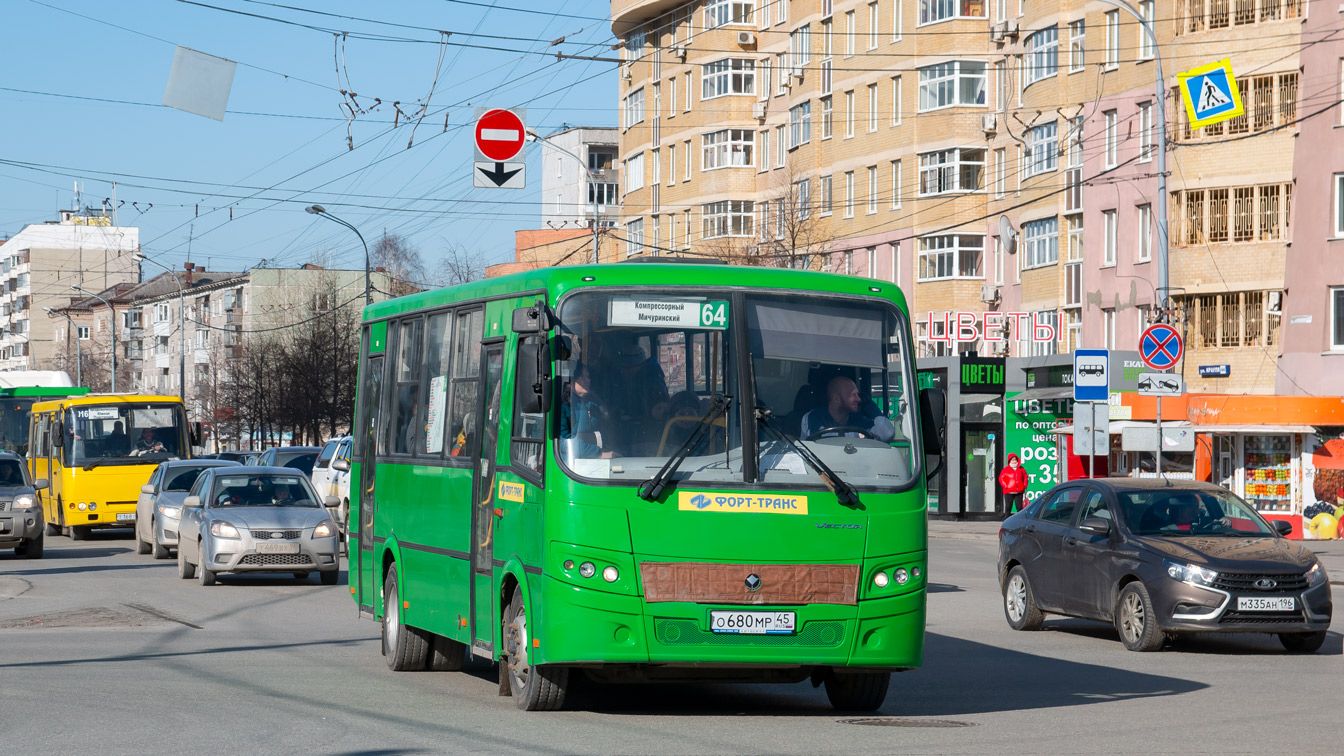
[{"x": 686, "y": 632}]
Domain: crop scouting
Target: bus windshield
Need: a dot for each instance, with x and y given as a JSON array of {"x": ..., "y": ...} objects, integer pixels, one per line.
[
  {"x": 647, "y": 372},
  {"x": 124, "y": 433}
]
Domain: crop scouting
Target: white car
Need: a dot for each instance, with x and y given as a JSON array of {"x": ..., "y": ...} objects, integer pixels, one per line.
[{"x": 331, "y": 479}]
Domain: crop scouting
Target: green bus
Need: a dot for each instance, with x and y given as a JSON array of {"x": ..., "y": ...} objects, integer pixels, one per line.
[
  {"x": 16, "y": 404},
  {"x": 645, "y": 472}
]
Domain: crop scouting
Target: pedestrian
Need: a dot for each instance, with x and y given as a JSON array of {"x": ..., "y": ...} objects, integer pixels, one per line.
[{"x": 1014, "y": 482}]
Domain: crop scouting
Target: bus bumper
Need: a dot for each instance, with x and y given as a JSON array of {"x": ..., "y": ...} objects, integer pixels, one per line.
[{"x": 584, "y": 626}]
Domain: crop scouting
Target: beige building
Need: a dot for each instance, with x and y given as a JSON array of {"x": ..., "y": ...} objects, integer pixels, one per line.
[{"x": 888, "y": 138}]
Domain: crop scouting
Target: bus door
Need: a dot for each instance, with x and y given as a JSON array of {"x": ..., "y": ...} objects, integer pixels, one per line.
[
  {"x": 40, "y": 465},
  {"x": 365, "y": 567},
  {"x": 485, "y": 602}
]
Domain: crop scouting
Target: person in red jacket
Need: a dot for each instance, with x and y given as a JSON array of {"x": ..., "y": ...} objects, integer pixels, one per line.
[{"x": 1014, "y": 481}]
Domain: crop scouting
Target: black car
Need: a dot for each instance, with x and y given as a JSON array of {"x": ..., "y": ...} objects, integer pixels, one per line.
[
  {"x": 296, "y": 457},
  {"x": 1157, "y": 558}
]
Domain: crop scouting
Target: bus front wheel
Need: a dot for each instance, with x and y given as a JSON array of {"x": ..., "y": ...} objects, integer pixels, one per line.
[
  {"x": 533, "y": 687},
  {"x": 404, "y": 646},
  {"x": 53, "y": 529},
  {"x": 858, "y": 691},
  {"x": 80, "y": 532}
]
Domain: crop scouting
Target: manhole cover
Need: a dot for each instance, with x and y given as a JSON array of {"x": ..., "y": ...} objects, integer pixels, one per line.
[{"x": 906, "y": 722}]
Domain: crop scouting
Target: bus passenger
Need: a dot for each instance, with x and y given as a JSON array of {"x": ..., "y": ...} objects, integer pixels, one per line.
[
  {"x": 845, "y": 408},
  {"x": 117, "y": 444},
  {"x": 583, "y": 418},
  {"x": 638, "y": 390}
]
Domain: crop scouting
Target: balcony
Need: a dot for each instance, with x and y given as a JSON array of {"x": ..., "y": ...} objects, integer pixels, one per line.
[
  {"x": 627, "y": 13},
  {"x": 233, "y": 317}
]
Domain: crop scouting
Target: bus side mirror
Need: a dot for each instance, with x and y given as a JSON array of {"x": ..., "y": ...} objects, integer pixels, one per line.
[
  {"x": 196, "y": 434},
  {"x": 933, "y": 419},
  {"x": 58, "y": 430},
  {"x": 41, "y": 484},
  {"x": 534, "y": 319},
  {"x": 532, "y": 374}
]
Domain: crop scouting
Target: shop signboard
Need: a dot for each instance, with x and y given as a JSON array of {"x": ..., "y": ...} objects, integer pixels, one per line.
[{"x": 1030, "y": 434}]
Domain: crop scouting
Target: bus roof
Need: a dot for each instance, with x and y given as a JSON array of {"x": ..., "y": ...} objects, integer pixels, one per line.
[
  {"x": 43, "y": 391},
  {"x": 92, "y": 399},
  {"x": 558, "y": 280}
]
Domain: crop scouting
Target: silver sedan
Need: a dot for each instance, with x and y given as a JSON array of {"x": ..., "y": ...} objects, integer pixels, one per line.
[
  {"x": 160, "y": 505},
  {"x": 250, "y": 519}
]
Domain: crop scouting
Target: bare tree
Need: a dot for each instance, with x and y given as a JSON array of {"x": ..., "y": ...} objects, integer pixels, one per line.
[
  {"x": 394, "y": 254},
  {"x": 458, "y": 266}
]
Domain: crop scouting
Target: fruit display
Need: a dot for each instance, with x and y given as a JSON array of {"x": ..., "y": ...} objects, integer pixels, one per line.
[
  {"x": 1328, "y": 459},
  {"x": 1324, "y": 526},
  {"x": 1269, "y": 473}
]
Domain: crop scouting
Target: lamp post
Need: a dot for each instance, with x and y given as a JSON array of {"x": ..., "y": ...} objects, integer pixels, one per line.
[
  {"x": 112, "y": 315},
  {"x": 322, "y": 211},
  {"x": 79, "y": 357},
  {"x": 592, "y": 181},
  {"x": 181, "y": 325}
]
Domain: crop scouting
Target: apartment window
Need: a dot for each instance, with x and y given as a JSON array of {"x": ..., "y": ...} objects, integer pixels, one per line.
[
  {"x": 1073, "y": 284},
  {"x": 872, "y": 26},
  {"x": 781, "y": 74},
  {"x": 1042, "y": 58},
  {"x": 1075, "y": 226},
  {"x": 951, "y": 256},
  {"x": 850, "y": 33},
  {"x": 895, "y": 101},
  {"x": 895, "y": 184},
  {"x": 161, "y": 313},
  {"x": 763, "y": 223},
  {"x": 827, "y": 109},
  {"x": 959, "y": 169},
  {"x": 956, "y": 82},
  {"x": 634, "y": 237},
  {"x": 1042, "y": 152},
  {"x": 1108, "y": 327},
  {"x": 724, "y": 12},
  {"x": 849, "y": 114},
  {"x": 1145, "y": 132},
  {"x": 764, "y": 165},
  {"x": 82, "y": 333},
  {"x": 731, "y": 76},
  {"x": 686, "y": 169},
  {"x": 1339, "y": 204},
  {"x": 765, "y": 69},
  {"x": 603, "y": 192},
  {"x": 634, "y": 173},
  {"x": 161, "y": 345},
  {"x": 803, "y": 190},
  {"x": 897, "y": 25},
  {"x": 1111, "y": 230},
  {"x": 781, "y": 145},
  {"x": 999, "y": 255},
  {"x": 727, "y": 148},
  {"x": 827, "y": 50},
  {"x": 933, "y": 11},
  {"x": 686, "y": 89},
  {"x": 1041, "y": 242},
  {"x": 634, "y": 107},
  {"x": 1000, "y": 167},
  {"x": 1238, "y": 319},
  {"x": 1237, "y": 214},
  {"x": 1000, "y": 86},
  {"x": 1337, "y": 318},
  {"x": 672, "y": 97},
  {"x": 1112, "y": 39},
  {"x": 825, "y": 195},
  {"x": 672, "y": 164},
  {"x": 1145, "y": 232},
  {"x": 727, "y": 218},
  {"x": 1146, "y": 9},
  {"x": 781, "y": 12},
  {"x": 1110, "y": 138},
  {"x": 1077, "y": 45},
  {"x": 686, "y": 228},
  {"x": 800, "y": 124},
  {"x": 800, "y": 48},
  {"x": 849, "y": 194},
  {"x": 780, "y": 219},
  {"x": 872, "y": 108},
  {"x": 872, "y": 189}
]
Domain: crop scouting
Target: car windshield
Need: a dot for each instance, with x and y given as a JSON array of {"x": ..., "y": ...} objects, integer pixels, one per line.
[
  {"x": 262, "y": 491},
  {"x": 1177, "y": 511},
  {"x": 124, "y": 433},
  {"x": 180, "y": 479},
  {"x": 643, "y": 371},
  {"x": 11, "y": 473}
]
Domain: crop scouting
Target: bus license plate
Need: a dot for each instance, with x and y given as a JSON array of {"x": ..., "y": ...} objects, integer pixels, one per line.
[
  {"x": 126, "y": 516},
  {"x": 752, "y": 623},
  {"x": 1265, "y": 604},
  {"x": 277, "y": 548}
]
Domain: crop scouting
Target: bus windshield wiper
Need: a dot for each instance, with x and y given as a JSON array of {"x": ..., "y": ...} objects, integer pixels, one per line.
[
  {"x": 652, "y": 488},
  {"x": 846, "y": 493}
]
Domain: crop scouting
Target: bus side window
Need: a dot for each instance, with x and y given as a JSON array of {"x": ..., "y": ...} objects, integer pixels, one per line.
[
  {"x": 463, "y": 400},
  {"x": 435, "y": 389},
  {"x": 528, "y": 428},
  {"x": 406, "y": 407}
]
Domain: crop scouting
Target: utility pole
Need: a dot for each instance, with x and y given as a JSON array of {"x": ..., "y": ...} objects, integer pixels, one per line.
[
  {"x": 322, "y": 211},
  {"x": 112, "y": 315},
  {"x": 592, "y": 181}
]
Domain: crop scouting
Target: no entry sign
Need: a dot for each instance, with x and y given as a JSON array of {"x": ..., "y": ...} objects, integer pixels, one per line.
[
  {"x": 1160, "y": 347},
  {"x": 499, "y": 135}
]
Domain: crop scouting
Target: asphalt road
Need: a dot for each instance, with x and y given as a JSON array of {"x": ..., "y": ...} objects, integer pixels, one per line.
[{"x": 106, "y": 652}]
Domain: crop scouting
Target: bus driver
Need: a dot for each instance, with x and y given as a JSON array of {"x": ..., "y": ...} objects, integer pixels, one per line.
[{"x": 842, "y": 409}]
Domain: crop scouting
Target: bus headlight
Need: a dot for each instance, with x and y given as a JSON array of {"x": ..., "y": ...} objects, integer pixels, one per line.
[
  {"x": 322, "y": 531},
  {"x": 25, "y": 501},
  {"x": 223, "y": 530},
  {"x": 902, "y": 576},
  {"x": 610, "y": 574},
  {"x": 880, "y": 580},
  {"x": 587, "y": 569},
  {"x": 172, "y": 513},
  {"x": 83, "y": 506}
]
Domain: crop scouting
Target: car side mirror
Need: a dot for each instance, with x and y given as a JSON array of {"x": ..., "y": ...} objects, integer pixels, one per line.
[
  {"x": 147, "y": 488},
  {"x": 41, "y": 484},
  {"x": 1283, "y": 527},
  {"x": 331, "y": 502},
  {"x": 1099, "y": 526},
  {"x": 191, "y": 502},
  {"x": 340, "y": 465}
]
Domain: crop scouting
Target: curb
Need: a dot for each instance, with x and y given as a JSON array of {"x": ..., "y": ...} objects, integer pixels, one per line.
[{"x": 964, "y": 536}]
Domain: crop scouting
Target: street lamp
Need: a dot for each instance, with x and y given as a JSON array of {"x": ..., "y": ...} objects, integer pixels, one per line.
[
  {"x": 112, "y": 315},
  {"x": 592, "y": 181},
  {"x": 181, "y": 325},
  {"x": 79, "y": 358},
  {"x": 322, "y": 211}
]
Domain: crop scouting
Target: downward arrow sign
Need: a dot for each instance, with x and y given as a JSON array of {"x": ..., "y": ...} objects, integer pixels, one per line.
[{"x": 499, "y": 175}]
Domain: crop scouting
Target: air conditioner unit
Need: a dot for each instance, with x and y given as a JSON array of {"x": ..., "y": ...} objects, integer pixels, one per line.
[
  {"x": 758, "y": 110},
  {"x": 999, "y": 348},
  {"x": 1276, "y": 301},
  {"x": 746, "y": 39},
  {"x": 1011, "y": 29},
  {"x": 998, "y": 32},
  {"x": 680, "y": 51},
  {"x": 989, "y": 293},
  {"x": 796, "y": 75},
  {"x": 989, "y": 122},
  {"x": 625, "y": 73}
]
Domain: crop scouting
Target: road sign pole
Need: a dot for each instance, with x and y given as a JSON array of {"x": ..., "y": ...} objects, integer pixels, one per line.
[
  {"x": 1159, "y": 437},
  {"x": 1092, "y": 434}
]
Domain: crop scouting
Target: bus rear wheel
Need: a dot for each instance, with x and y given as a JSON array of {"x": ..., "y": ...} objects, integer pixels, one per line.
[
  {"x": 533, "y": 687},
  {"x": 858, "y": 691},
  {"x": 406, "y": 648}
]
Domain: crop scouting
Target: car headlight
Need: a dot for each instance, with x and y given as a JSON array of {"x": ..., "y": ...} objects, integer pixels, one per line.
[
  {"x": 172, "y": 513},
  {"x": 25, "y": 501},
  {"x": 323, "y": 530},
  {"x": 1190, "y": 573},
  {"x": 1316, "y": 575},
  {"x": 223, "y": 530}
]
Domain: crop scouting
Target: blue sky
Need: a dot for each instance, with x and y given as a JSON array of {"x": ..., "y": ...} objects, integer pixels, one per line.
[{"x": 261, "y": 170}]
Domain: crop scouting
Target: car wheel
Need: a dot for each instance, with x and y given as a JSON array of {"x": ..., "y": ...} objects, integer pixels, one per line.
[
  {"x": 1303, "y": 643},
  {"x": 405, "y": 647},
  {"x": 185, "y": 570},
  {"x": 31, "y": 548},
  {"x": 1136, "y": 621},
  {"x": 205, "y": 575},
  {"x": 861, "y": 691},
  {"x": 446, "y": 654},
  {"x": 142, "y": 546},
  {"x": 330, "y": 577},
  {"x": 533, "y": 687},
  {"x": 157, "y": 549},
  {"x": 80, "y": 532},
  {"x": 1019, "y": 601}
]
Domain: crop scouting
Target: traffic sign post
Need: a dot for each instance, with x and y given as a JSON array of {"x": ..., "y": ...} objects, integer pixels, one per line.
[
  {"x": 499, "y": 137},
  {"x": 1210, "y": 94},
  {"x": 1160, "y": 347},
  {"x": 1091, "y": 375}
]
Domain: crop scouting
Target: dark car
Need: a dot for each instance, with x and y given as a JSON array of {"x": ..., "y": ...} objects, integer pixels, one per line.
[
  {"x": 21, "y": 523},
  {"x": 241, "y": 457},
  {"x": 296, "y": 457},
  {"x": 1158, "y": 558}
]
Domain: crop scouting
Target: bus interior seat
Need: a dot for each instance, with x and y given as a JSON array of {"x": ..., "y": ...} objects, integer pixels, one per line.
[{"x": 803, "y": 402}]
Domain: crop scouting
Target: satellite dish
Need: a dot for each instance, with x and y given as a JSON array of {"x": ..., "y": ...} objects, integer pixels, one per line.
[{"x": 1007, "y": 234}]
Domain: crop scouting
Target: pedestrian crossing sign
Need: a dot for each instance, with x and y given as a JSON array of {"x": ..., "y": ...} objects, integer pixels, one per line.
[{"x": 1210, "y": 94}]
